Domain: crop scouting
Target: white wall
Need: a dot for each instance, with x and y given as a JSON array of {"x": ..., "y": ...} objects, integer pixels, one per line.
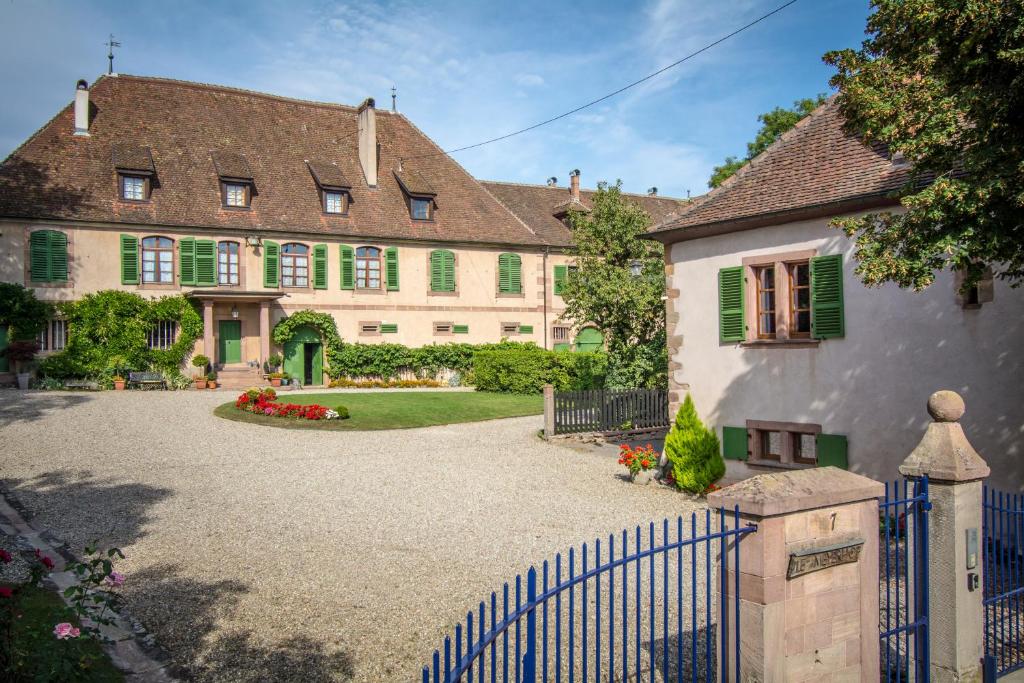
[{"x": 872, "y": 385}]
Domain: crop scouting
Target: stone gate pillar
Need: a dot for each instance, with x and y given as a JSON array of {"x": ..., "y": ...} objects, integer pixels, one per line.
[
  {"x": 808, "y": 577},
  {"x": 955, "y": 471}
]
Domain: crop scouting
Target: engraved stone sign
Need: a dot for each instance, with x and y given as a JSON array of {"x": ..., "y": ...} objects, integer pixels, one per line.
[{"x": 813, "y": 559}]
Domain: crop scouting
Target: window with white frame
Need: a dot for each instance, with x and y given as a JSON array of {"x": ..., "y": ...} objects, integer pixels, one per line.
[
  {"x": 58, "y": 334},
  {"x": 334, "y": 202},
  {"x": 227, "y": 263},
  {"x": 163, "y": 334},
  {"x": 368, "y": 268},
  {"x": 133, "y": 188},
  {"x": 158, "y": 260},
  {"x": 295, "y": 265}
]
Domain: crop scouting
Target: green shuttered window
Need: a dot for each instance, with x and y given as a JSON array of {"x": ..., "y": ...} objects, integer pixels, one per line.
[
  {"x": 48, "y": 256},
  {"x": 510, "y": 276},
  {"x": 206, "y": 263},
  {"x": 832, "y": 451},
  {"x": 348, "y": 266},
  {"x": 187, "y": 260},
  {"x": 271, "y": 264},
  {"x": 732, "y": 325},
  {"x": 129, "y": 260},
  {"x": 442, "y": 271},
  {"x": 320, "y": 266},
  {"x": 827, "y": 315},
  {"x": 734, "y": 443},
  {"x": 560, "y": 273},
  {"x": 391, "y": 268}
]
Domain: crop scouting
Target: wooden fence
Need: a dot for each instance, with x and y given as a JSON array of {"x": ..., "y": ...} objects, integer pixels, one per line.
[{"x": 610, "y": 410}]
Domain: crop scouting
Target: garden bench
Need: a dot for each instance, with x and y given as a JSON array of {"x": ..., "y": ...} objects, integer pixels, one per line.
[
  {"x": 81, "y": 384},
  {"x": 147, "y": 379}
]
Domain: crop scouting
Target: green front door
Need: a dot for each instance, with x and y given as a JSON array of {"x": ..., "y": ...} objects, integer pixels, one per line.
[
  {"x": 304, "y": 357},
  {"x": 229, "y": 341},
  {"x": 589, "y": 339},
  {"x": 3, "y": 345}
]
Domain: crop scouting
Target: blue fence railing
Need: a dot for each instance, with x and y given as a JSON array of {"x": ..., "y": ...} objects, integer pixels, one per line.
[
  {"x": 903, "y": 588},
  {"x": 1003, "y": 572},
  {"x": 658, "y": 609}
]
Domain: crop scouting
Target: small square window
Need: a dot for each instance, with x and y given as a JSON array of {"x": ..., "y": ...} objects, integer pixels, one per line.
[
  {"x": 419, "y": 208},
  {"x": 442, "y": 328},
  {"x": 509, "y": 329},
  {"x": 133, "y": 188},
  {"x": 369, "y": 328},
  {"x": 334, "y": 202},
  {"x": 236, "y": 195}
]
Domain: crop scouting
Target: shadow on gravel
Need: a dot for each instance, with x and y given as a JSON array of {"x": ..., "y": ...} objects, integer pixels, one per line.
[
  {"x": 31, "y": 407},
  {"x": 184, "y": 612},
  {"x": 80, "y": 508}
]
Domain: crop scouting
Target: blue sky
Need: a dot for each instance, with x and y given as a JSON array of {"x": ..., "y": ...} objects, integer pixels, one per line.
[{"x": 465, "y": 71}]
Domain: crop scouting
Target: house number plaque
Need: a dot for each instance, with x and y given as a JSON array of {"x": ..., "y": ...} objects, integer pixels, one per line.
[{"x": 813, "y": 559}]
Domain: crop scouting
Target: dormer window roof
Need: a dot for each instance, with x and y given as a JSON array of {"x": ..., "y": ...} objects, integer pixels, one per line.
[
  {"x": 562, "y": 209},
  {"x": 328, "y": 176},
  {"x": 133, "y": 159},
  {"x": 232, "y": 166},
  {"x": 414, "y": 184}
]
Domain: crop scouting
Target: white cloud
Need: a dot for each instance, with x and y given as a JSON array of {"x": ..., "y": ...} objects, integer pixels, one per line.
[{"x": 528, "y": 80}]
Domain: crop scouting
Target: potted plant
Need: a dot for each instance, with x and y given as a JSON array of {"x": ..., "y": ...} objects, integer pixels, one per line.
[
  {"x": 200, "y": 361},
  {"x": 274, "y": 362},
  {"x": 211, "y": 379},
  {"x": 642, "y": 462},
  {"x": 117, "y": 368},
  {"x": 21, "y": 353},
  {"x": 275, "y": 378}
]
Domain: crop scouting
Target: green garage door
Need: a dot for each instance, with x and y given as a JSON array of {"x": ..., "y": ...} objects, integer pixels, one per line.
[{"x": 589, "y": 339}]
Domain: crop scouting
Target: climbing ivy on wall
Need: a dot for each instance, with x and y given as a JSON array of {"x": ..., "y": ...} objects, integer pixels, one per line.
[
  {"x": 321, "y": 322},
  {"x": 112, "y": 327},
  {"x": 21, "y": 311}
]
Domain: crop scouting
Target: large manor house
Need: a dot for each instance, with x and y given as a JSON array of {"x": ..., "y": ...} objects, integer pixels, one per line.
[{"x": 257, "y": 206}]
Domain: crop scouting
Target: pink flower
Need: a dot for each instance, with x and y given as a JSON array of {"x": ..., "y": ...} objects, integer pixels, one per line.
[
  {"x": 64, "y": 630},
  {"x": 5, "y": 556},
  {"x": 47, "y": 562},
  {"x": 114, "y": 579},
  {"x": 268, "y": 411}
]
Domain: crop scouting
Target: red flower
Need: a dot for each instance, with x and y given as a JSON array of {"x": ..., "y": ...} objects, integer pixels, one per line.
[
  {"x": 5, "y": 556},
  {"x": 47, "y": 562},
  {"x": 6, "y": 592}
]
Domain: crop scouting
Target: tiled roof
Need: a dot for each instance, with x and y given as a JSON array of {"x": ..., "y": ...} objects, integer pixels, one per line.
[
  {"x": 537, "y": 204},
  {"x": 132, "y": 158},
  {"x": 231, "y": 165},
  {"x": 58, "y": 175},
  {"x": 328, "y": 175},
  {"x": 414, "y": 183},
  {"x": 816, "y": 165}
]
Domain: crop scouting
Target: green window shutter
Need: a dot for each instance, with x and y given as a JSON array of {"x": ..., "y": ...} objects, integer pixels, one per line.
[
  {"x": 39, "y": 256},
  {"x": 526, "y": 329},
  {"x": 348, "y": 267},
  {"x": 448, "y": 259},
  {"x": 442, "y": 271},
  {"x": 827, "y": 318},
  {"x": 732, "y": 324},
  {"x": 388, "y": 328},
  {"x": 391, "y": 268},
  {"x": 832, "y": 451},
  {"x": 319, "y": 266},
  {"x": 206, "y": 263},
  {"x": 129, "y": 260},
  {"x": 187, "y": 260},
  {"x": 510, "y": 277},
  {"x": 460, "y": 329},
  {"x": 58, "y": 256},
  {"x": 271, "y": 264},
  {"x": 734, "y": 443},
  {"x": 560, "y": 272}
]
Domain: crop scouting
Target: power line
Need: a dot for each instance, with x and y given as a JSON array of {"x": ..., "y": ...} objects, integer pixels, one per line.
[{"x": 617, "y": 92}]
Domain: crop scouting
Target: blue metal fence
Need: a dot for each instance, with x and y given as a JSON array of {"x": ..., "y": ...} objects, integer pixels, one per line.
[
  {"x": 903, "y": 589},
  {"x": 590, "y": 617},
  {"x": 1003, "y": 572}
]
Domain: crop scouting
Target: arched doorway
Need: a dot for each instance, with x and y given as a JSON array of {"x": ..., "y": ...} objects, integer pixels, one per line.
[
  {"x": 304, "y": 356},
  {"x": 589, "y": 339}
]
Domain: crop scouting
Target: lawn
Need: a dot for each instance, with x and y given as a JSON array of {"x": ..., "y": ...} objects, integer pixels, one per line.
[{"x": 396, "y": 410}]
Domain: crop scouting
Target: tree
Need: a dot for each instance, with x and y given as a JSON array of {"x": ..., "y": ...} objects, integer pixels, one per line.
[
  {"x": 692, "y": 451},
  {"x": 941, "y": 82},
  {"x": 773, "y": 124},
  {"x": 602, "y": 289}
]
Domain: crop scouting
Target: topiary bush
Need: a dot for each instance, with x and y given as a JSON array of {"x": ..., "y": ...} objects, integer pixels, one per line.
[{"x": 693, "y": 452}]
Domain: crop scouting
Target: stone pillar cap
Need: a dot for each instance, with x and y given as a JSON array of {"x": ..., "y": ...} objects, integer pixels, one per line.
[
  {"x": 944, "y": 453},
  {"x": 795, "y": 490}
]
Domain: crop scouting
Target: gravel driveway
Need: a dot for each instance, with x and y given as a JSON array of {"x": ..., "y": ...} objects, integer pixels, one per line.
[{"x": 263, "y": 554}]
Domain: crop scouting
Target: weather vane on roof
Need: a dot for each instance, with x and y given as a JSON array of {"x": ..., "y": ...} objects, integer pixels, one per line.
[{"x": 111, "y": 44}]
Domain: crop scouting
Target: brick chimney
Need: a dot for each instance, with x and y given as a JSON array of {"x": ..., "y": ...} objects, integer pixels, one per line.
[
  {"x": 574, "y": 184},
  {"x": 82, "y": 108},
  {"x": 368, "y": 141}
]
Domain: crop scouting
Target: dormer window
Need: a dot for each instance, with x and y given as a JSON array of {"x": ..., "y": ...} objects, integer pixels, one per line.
[
  {"x": 133, "y": 188},
  {"x": 419, "y": 208},
  {"x": 235, "y": 195},
  {"x": 334, "y": 202},
  {"x": 236, "y": 180},
  {"x": 332, "y": 186}
]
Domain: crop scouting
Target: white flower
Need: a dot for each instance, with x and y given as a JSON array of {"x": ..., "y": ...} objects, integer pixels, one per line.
[{"x": 331, "y": 415}]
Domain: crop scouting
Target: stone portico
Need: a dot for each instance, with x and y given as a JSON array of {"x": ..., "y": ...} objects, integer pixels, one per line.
[{"x": 236, "y": 326}]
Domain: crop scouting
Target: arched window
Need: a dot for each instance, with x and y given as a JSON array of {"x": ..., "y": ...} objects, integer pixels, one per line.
[
  {"x": 158, "y": 260},
  {"x": 295, "y": 265},
  {"x": 367, "y": 268},
  {"x": 227, "y": 263}
]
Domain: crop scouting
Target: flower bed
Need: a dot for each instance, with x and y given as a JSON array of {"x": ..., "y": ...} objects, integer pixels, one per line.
[
  {"x": 346, "y": 382},
  {"x": 263, "y": 402}
]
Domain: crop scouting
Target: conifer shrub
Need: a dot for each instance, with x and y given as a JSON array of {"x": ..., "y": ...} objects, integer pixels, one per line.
[{"x": 693, "y": 452}]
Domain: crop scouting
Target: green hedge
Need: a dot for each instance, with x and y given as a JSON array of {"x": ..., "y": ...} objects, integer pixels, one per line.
[
  {"x": 526, "y": 372},
  {"x": 386, "y": 360}
]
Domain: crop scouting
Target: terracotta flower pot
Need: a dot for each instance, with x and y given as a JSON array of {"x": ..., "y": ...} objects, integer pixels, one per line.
[
  {"x": 200, "y": 383},
  {"x": 119, "y": 385},
  {"x": 275, "y": 381},
  {"x": 211, "y": 384}
]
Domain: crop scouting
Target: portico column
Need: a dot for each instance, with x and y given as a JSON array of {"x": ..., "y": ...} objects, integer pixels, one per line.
[
  {"x": 208, "y": 330},
  {"x": 264, "y": 331}
]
